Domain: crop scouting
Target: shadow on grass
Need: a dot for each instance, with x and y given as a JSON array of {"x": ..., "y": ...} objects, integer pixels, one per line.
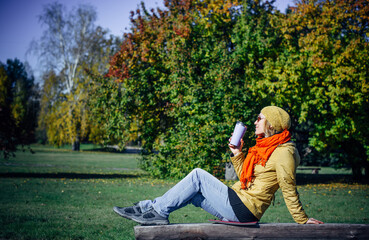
[
  {"x": 303, "y": 179},
  {"x": 68, "y": 175},
  {"x": 114, "y": 150}
]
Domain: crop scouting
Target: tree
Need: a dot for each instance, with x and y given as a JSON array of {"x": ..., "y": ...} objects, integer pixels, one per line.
[
  {"x": 70, "y": 44},
  {"x": 182, "y": 83},
  {"x": 50, "y": 99},
  {"x": 24, "y": 103},
  {"x": 322, "y": 75},
  {"x": 7, "y": 130},
  {"x": 18, "y": 106},
  {"x": 186, "y": 74}
]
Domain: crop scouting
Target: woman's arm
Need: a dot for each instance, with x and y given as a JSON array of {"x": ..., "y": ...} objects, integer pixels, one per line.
[
  {"x": 237, "y": 157},
  {"x": 285, "y": 169}
]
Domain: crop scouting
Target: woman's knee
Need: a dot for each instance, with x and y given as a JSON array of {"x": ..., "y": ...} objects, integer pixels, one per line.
[
  {"x": 198, "y": 171},
  {"x": 199, "y": 174}
]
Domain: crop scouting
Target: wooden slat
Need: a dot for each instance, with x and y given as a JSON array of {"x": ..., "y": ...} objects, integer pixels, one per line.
[{"x": 262, "y": 231}]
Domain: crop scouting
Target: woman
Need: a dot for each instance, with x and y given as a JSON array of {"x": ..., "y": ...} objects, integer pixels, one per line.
[{"x": 270, "y": 164}]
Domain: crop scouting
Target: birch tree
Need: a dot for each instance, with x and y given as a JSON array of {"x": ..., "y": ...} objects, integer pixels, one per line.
[{"x": 71, "y": 43}]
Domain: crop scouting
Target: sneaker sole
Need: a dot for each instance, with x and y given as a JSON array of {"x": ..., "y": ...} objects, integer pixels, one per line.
[{"x": 150, "y": 223}]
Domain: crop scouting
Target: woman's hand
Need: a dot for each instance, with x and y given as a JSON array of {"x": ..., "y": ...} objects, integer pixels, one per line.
[
  {"x": 235, "y": 150},
  {"x": 314, "y": 221}
]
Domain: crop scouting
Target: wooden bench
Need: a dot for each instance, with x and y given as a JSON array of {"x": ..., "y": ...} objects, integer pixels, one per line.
[
  {"x": 261, "y": 231},
  {"x": 313, "y": 169}
]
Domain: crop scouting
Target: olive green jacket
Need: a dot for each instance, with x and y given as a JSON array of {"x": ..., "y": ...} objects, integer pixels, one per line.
[{"x": 279, "y": 171}]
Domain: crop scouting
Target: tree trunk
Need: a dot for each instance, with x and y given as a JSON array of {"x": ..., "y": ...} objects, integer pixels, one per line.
[
  {"x": 76, "y": 145},
  {"x": 356, "y": 154},
  {"x": 357, "y": 172}
]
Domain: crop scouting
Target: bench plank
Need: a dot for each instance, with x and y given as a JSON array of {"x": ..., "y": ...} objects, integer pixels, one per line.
[{"x": 261, "y": 231}]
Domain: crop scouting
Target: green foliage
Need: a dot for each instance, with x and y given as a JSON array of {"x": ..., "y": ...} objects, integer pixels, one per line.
[
  {"x": 109, "y": 120},
  {"x": 178, "y": 71},
  {"x": 321, "y": 74}
]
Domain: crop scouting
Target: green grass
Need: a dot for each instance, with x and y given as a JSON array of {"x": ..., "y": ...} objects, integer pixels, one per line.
[
  {"x": 70, "y": 162},
  {"x": 65, "y": 195},
  {"x": 331, "y": 203}
]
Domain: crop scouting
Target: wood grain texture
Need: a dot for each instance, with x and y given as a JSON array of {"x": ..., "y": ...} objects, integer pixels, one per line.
[{"x": 261, "y": 231}]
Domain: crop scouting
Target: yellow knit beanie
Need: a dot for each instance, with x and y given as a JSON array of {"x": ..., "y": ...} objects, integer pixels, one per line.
[{"x": 278, "y": 117}]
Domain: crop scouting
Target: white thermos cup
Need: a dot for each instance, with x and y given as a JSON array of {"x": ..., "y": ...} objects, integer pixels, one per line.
[{"x": 239, "y": 131}]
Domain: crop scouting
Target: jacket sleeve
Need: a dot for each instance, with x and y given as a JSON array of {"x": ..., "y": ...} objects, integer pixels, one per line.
[
  {"x": 286, "y": 176},
  {"x": 238, "y": 163}
]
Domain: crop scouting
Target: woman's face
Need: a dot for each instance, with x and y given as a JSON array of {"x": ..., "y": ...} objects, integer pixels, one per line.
[{"x": 260, "y": 125}]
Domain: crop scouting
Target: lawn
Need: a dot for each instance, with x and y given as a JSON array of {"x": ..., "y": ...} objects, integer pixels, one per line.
[{"x": 58, "y": 194}]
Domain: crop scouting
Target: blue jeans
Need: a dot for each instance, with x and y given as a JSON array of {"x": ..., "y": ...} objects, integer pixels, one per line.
[{"x": 199, "y": 188}]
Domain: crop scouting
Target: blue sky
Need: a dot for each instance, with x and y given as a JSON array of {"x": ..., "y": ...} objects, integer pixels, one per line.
[{"x": 19, "y": 22}]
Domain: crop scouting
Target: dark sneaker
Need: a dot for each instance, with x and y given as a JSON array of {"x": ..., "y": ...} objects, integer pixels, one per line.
[
  {"x": 127, "y": 212},
  {"x": 150, "y": 217}
]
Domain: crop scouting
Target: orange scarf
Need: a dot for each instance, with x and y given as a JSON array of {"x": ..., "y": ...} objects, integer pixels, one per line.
[{"x": 260, "y": 153}]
